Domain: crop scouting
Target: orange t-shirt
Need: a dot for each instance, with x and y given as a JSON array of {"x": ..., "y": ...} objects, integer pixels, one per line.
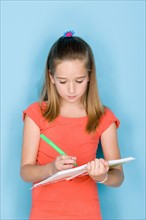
[{"x": 77, "y": 198}]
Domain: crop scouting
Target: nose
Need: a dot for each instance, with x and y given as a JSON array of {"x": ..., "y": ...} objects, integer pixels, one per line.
[{"x": 71, "y": 88}]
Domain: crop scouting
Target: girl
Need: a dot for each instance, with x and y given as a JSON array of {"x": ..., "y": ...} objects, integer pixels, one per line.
[{"x": 71, "y": 114}]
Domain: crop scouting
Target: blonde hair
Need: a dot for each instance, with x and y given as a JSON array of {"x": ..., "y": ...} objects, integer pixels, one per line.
[{"x": 72, "y": 48}]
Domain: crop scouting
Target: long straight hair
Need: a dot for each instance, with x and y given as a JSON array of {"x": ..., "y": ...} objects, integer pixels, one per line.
[{"x": 72, "y": 48}]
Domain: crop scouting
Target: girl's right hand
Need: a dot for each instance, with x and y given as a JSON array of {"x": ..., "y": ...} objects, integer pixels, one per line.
[{"x": 63, "y": 162}]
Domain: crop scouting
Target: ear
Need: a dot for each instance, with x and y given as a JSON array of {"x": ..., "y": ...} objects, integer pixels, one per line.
[{"x": 51, "y": 77}]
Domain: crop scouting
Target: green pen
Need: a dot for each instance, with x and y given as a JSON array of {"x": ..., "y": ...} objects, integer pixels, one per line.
[{"x": 53, "y": 145}]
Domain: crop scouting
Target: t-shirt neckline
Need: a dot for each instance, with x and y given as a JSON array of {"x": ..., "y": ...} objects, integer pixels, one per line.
[{"x": 72, "y": 118}]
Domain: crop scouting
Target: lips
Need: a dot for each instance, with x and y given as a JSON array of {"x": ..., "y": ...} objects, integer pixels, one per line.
[{"x": 71, "y": 97}]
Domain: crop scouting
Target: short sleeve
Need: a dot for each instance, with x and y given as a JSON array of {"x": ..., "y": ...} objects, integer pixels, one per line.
[
  {"x": 34, "y": 112},
  {"x": 106, "y": 120}
]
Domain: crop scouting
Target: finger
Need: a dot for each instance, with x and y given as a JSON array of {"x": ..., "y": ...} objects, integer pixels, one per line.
[
  {"x": 92, "y": 165},
  {"x": 68, "y": 161},
  {"x": 94, "y": 168},
  {"x": 105, "y": 163},
  {"x": 67, "y": 157},
  {"x": 88, "y": 166},
  {"x": 62, "y": 165},
  {"x": 97, "y": 164},
  {"x": 66, "y": 166},
  {"x": 99, "y": 167},
  {"x": 63, "y": 157}
]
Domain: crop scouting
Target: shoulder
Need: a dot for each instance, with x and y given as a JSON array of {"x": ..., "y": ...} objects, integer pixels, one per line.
[
  {"x": 108, "y": 113},
  {"x": 34, "y": 111},
  {"x": 107, "y": 119},
  {"x": 36, "y": 106}
]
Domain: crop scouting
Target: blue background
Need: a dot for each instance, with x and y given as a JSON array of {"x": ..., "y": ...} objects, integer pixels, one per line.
[{"x": 116, "y": 32}]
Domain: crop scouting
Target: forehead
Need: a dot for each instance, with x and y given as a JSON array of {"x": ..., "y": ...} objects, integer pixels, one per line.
[{"x": 71, "y": 68}]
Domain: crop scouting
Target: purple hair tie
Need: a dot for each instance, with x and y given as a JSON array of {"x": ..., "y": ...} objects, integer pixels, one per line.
[{"x": 69, "y": 34}]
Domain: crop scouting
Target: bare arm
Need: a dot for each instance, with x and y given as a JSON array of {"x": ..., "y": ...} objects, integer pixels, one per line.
[
  {"x": 99, "y": 168},
  {"x": 30, "y": 171}
]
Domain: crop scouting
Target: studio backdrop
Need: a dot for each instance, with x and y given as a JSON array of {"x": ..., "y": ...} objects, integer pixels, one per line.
[{"x": 115, "y": 30}]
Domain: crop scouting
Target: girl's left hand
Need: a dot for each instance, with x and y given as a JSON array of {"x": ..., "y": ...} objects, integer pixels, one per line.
[{"x": 97, "y": 169}]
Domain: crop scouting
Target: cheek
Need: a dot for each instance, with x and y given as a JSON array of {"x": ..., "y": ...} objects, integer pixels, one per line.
[
  {"x": 60, "y": 89},
  {"x": 83, "y": 87}
]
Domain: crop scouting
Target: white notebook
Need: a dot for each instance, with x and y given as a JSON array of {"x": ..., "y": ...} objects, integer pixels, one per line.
[{"x": 77, "y": 171}]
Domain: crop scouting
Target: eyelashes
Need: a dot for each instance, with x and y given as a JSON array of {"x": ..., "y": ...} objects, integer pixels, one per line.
[
  {"x": 62, "y": 82},
  {"x": 77, "y": 81}
]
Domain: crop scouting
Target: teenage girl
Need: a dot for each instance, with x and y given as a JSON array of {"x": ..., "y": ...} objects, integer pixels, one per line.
[{"x": 71, "y": 114}]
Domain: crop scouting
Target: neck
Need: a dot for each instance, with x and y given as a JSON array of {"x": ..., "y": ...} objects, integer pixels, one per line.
[
  {"x": 64, "y": 103},
  {"x": 72, "y": 109}
]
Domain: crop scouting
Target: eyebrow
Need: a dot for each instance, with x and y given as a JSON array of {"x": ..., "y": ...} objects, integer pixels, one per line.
[{"x": 80, "y": 77}]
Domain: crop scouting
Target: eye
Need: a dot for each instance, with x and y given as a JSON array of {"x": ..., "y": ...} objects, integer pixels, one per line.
[
  {"x": 62, "y": 82},
  {"x": 79, "y": 81}
]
